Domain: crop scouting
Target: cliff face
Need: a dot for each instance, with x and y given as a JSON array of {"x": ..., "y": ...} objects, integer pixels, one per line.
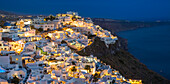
[
  {"x": 121, "y": 60},
  {"x": 123, "y": 25},
  {"x": 123, "y": 43}
]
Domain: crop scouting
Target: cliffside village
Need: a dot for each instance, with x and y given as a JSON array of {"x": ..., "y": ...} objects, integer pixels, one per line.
[{"x": 42, "y": 50}]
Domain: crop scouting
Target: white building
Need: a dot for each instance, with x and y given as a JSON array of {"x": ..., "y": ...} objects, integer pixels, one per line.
[
  {"x": 72, "y": 13},
  {"x": 45, "y": 27},
  {"x": 38, "y": 20},
  {"x": 4, "y": 46},
  {"x": 26, "y": 28},
  {"x": 57, "y": 23},
  {"x": 26, "y": 21},
  {"x": 4, "y": 61},
  {"x": 19, "y": 72}
]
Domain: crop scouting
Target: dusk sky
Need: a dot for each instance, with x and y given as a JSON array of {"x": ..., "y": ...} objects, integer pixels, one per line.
[{"x": 115, "y": 9}]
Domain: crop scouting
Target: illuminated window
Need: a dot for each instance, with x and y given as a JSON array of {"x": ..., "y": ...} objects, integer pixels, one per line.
[{"x": 16, "y": 59}]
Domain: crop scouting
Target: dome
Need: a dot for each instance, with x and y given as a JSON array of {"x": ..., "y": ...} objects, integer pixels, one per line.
[
  {"x": 2, "y": 70},
  {"x": 7, "y": 24},
  {"x": 75, "y": 55}
]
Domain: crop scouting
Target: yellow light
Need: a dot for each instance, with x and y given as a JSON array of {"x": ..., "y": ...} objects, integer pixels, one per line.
[
  {"x": 69, "y": 29},
  {"x": 19, "y": 50},
  {"x": 19, "y": 42},
  {"x": 16, "y": 59}
]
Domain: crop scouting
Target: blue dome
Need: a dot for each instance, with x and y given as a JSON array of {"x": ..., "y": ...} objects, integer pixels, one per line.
[
  {"x": 2, "y": 70},
  {"x": 75, "y": 55},
  {"x": 7, "y": 24}
]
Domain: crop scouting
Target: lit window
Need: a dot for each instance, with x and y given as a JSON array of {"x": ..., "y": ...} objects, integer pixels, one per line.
[{"x": 16, "y": 59}]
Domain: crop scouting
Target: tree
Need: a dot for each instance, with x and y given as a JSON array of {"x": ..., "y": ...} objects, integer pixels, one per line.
[
  {"x": 32, "y": 27},
  {"x": 113, "y": 81},
  {"x": 48, "y": 29},
  {"x": 87, "y": 67},
  {"x": 40, "y": 64},
  {"x": 95, "y": 77},
  {"x": 36, "y": 30},
  {"x": 73, "y": 63},
  {"x": 40, "y": 29},
  {"x": 42, "y": 52},
  {"x": 20, "y": 66},
  {"x": 74, "y": 69},
  {"x": 15, "y": 80},
  {"x": 63, "y": 42},
  {"x": 51, "y": 17},
  {"x": 2, "y": 23}
]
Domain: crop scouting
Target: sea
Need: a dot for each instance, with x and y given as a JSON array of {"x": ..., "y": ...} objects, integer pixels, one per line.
[{"x": 151, "y": 46}]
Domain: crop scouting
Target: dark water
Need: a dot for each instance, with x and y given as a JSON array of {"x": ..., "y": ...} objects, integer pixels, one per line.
[{"x": 151, "y": 46}]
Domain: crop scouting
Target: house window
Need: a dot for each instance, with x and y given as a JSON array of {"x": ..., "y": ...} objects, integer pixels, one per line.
[
  {"x": 16, "y": 59},
  {"x": 0, "y": 44}
]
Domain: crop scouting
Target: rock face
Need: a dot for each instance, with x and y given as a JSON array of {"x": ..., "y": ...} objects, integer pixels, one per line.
[
  {"x": 123, "y": 43},
  {"x": 121, "y": 60}
]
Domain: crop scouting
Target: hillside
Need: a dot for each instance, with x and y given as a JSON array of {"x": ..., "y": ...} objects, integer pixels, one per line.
[
  {"x": 116, "y": 55},
  {"x": 9, "y": 16},
  {"x": 123, "y": 61},
  {"x": 123, "y": 25},
  {"x": 6, "y": 13}
]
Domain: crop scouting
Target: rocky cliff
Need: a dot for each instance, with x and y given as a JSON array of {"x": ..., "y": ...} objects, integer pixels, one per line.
[
  {"x": 124, "y": 25},
  {"x": 123, "y": 61}
]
